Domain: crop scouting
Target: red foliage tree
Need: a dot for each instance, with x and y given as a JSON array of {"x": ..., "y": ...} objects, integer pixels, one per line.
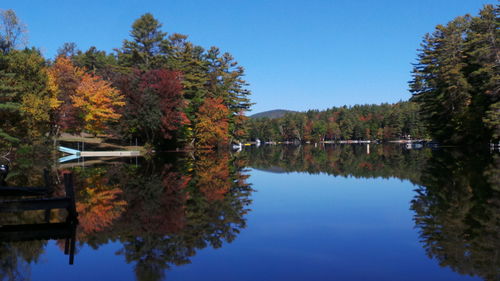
[{"x": 168, "y": 88}]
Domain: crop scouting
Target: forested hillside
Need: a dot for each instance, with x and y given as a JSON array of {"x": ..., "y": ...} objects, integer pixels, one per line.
[
  {"x": 277, "y": 113},
  {"x": 359, "y": 122}
]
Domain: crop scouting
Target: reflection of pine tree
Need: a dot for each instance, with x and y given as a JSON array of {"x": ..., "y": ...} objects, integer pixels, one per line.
[{"x": 458, "y": 213}]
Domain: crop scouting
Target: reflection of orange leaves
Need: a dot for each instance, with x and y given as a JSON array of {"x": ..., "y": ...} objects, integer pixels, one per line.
[
  {"x": 98, "y": 204},
  {"x": 214, "y": 181},
  {"x": 242, "y": 179},
  {"x": 366, "y": 165},
  {"x": 100, "y": 209}
]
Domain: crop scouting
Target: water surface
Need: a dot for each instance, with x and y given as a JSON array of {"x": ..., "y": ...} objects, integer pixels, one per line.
[{"x": 270, "y": 213}]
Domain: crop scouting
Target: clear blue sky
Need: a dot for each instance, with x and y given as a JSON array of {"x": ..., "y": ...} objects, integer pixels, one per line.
[{"x": 298, "y": 55}]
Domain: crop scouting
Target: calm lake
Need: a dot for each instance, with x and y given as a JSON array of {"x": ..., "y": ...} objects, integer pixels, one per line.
[{"x": 333, "y": 212}]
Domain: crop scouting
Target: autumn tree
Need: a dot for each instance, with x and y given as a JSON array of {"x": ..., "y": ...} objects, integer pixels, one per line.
[
  {"x": 154, "y": 105},
  {"x": 97, "y": 100},
  {"x": 189, "y": 59},
  {"x": 67, "y": 79},
  {"x": 225, "y": 80},
  {"x": 166, "y": 85},
  {"x": 88, "y": 101},
  {"x": 170, "y": 89},
  {"x": 213, "y": 124},
  {"x": 203, "y": 74}
]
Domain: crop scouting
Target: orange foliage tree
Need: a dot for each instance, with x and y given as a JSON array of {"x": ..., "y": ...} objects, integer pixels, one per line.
[
  {"x": 97, "y": 101},
  {"x": 212, "y": 129},
  {"x": 238, "y": 127},
  {"x": 88, "y": 102},
  {"x": 66, "y": 78}
]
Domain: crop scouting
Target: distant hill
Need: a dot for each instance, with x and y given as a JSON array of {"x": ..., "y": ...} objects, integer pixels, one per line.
[{"x": 277, "y": 113}]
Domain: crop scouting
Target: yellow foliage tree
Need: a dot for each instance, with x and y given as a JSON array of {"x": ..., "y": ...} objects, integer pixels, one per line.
[{"x": 97, "y": 100}]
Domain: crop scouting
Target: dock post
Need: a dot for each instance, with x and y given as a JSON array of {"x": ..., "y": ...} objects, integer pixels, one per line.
[
  {"x": 70, "y": 195},
  {"x": 72, "y": 246},
  {"x": 48, "y": 181}
]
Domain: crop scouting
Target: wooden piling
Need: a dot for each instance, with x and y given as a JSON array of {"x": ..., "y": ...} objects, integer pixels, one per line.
[{"x": 70, "y": 194}]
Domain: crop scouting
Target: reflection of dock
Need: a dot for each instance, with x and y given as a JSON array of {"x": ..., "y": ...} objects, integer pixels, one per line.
[
  {"x": 23, "y": 191},
  {"x": 48, "y": 203},
  {"x": 109, "y": 153},
  {"x": 43, "y": 231},
  {"x": 75, "y": 154}
]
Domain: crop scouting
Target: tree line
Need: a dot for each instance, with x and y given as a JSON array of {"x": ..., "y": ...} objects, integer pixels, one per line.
[
  {"x": 359, "y": 122},
  {"x": 158, "y": 88}
]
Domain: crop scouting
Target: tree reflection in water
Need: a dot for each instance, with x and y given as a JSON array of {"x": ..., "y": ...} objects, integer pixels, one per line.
[
  {"x": 163, "y": 212},
  {"x": 174, "y": 209},
  {"x": 457, "y": 201},
  {"x": 457, "y": 212}
]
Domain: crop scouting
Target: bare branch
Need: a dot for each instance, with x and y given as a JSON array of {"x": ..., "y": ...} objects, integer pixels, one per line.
[{"x": 13, "y": 33}]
